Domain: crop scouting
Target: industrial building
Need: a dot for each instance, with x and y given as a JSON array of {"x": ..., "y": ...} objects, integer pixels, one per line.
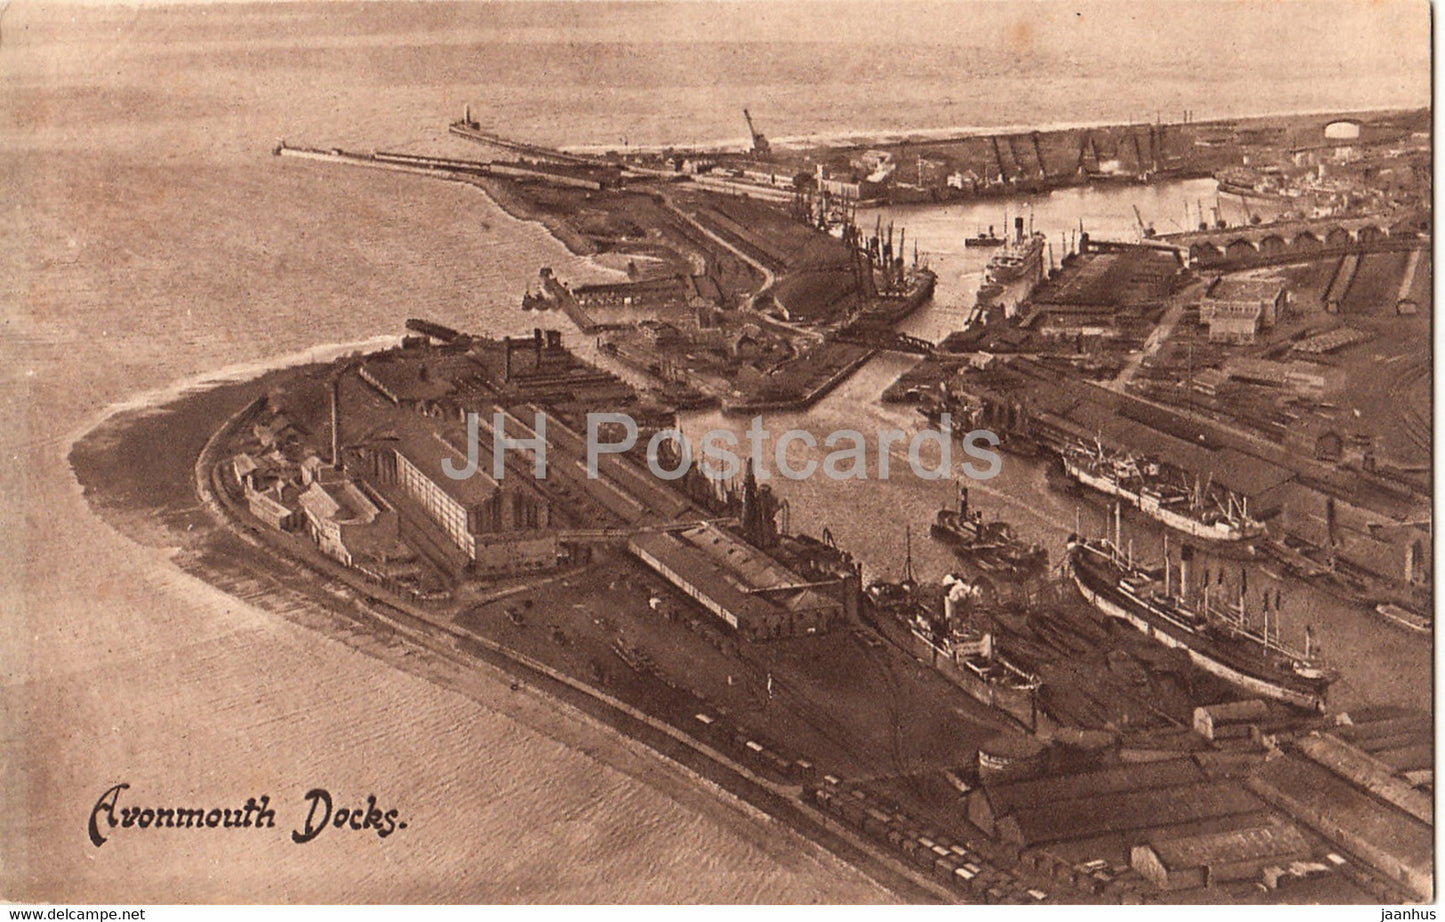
[
  {"x": 741, "y": 586},
  {"x": 1236, "y": 310},
  {"x": 1235, "y": 719},
  {"x": 1100, "y": 815},
  {"x": 1205, "y": 860},
  {"x": 989, "y": 804},
  {"x": 349, "y": 522},
  {"x": 1395, "y": 843},
  {"x": 501, "y": 526},
  {"x": 1402, "y": 741}
]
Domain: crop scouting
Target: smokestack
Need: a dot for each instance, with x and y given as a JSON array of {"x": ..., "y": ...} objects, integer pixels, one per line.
[
  {"x": 1186, "y": 557},
  {"x": 506, "y": 359},
  {"x": 336, "y": 422},
  {"x": 537, "y": 344},
  {"x": 467, "y": 115}
]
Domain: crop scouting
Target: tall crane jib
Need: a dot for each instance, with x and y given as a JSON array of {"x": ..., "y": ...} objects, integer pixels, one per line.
[{"x": 760, "y": 146}]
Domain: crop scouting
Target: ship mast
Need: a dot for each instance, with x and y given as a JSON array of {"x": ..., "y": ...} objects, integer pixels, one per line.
[
  {"x": 1266, "y": 619},
  {"x": 908, "y": 557}
]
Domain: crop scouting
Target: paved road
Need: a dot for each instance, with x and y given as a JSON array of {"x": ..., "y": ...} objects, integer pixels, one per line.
[
  {"x": 1172, "y": 312},
  {"x": 768, "y": 277}
]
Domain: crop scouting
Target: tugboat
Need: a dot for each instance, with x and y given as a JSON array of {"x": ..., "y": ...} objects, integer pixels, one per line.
[
  {"x": 992, "y": 546},
  {"x": 984, "y": 240},
  {"x": 1220, "y": 640}
]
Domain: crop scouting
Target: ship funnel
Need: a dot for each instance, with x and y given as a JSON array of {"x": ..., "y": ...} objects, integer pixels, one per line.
[
  {"x": 1186, "y": 557},
  {"x": 958, "y": 592},
  {"x": 1019, "y": 229}
]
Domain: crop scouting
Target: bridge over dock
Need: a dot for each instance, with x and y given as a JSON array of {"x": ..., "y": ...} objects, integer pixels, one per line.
[{"x": 1297, "y": 241}]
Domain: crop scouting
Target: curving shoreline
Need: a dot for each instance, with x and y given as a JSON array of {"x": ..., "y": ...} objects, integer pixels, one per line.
[{"x": 750, "y": 798}]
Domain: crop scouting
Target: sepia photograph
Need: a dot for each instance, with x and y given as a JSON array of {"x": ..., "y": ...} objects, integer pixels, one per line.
[{"x": 653, "y": 452}]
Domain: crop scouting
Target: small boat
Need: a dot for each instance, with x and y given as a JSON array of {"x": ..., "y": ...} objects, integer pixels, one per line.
[
  {"x": 1407, "y": 618},
  {"x": 983, "y": 240}
]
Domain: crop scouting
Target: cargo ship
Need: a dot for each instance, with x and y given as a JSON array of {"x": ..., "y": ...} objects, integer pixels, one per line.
[
  {"x": 962, "y": 651},
  {"x": 1222, "y": 642},
  {"x": 1206, "y": 511},
  {"x": 1268, "y": 184},
  {"x": 991, "y": 546},
  {"x": 1021, "y": 258}
]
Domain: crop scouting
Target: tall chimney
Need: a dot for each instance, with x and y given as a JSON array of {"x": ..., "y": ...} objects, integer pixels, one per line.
[
  {"x": 336, "y": 422},
  {"x": 537, "y": 344},
  {"x": 1186, "y": 557},
  {"x": 1019, "y": 229},
  {"x": 506, "y": 359}
]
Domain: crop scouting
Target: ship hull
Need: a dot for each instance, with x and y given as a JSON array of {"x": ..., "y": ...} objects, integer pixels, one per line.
[
  {"x": 1114, "y": 602},
  {"x": 1003, "y": 269},
  {"x": 1006, "y": 559},
  {"x": 1215, "y": 531},
  {"x": 1019, "y": 700}
]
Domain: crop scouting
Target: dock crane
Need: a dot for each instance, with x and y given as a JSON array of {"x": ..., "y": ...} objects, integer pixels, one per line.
[
  {"x": 760, "y": 147},
  {"x": 1039, "y": 155},
  {"x": 1013, "y": 153},
  {"x": 1144, "y": 231},
  {"x": 998, "y": 155},
  {"x": 1139, "y": 154}
]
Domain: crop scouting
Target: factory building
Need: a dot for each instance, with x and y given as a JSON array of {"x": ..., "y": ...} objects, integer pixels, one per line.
[
  {"x": 501, "y": 527},
  {"x": 270, "y": 497}
]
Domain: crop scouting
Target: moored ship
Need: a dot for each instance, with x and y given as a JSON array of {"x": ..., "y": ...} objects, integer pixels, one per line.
[
  {"x": 1222, "y": 642},
  {"x": 1021, "y": 258},
  {"x": 1409, "y": 618},
  {"x": 1206, "y": 511},
  {"x": 958, "y": 644}
]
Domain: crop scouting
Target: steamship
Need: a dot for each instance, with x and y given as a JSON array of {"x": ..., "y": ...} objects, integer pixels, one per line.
[
  {"x": 991, "y": 545},
  {"x": 1144, "y": 485},
  {"x": 1022, "y": 257},
  {"x": 958, "y": 644},
  {"x": 1222, "y": 642}
]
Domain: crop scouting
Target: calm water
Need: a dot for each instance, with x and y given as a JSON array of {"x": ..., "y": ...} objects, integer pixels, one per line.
[{"x": 154, "y": 239}]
